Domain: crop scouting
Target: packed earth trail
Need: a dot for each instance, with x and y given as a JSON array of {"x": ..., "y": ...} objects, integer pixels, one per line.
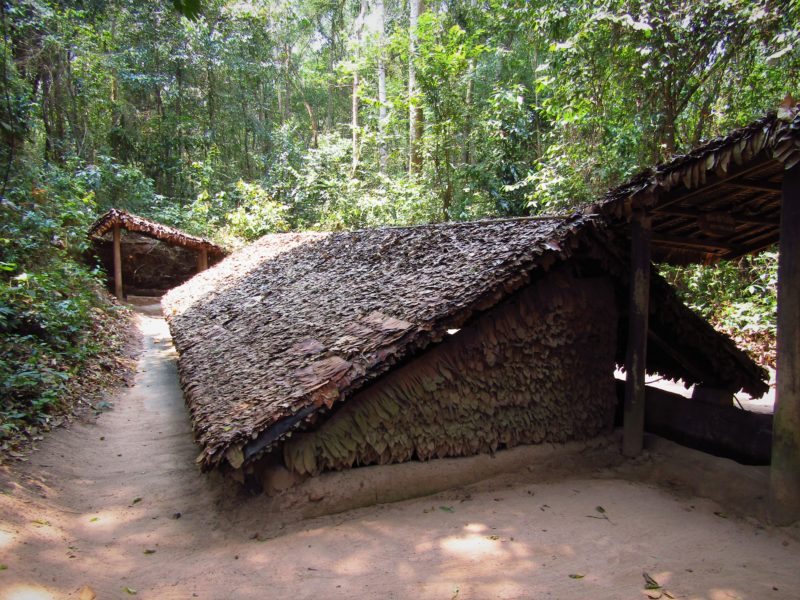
[{"x": 115, "y": 507}]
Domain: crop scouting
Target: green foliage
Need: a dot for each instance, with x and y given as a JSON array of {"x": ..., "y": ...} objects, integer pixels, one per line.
[
  {"x": 739, "y": 295},
  {"x": 47, "y": 296},
  {"x": 256, "y": 214},
  {"x": 237, "y": 121}
]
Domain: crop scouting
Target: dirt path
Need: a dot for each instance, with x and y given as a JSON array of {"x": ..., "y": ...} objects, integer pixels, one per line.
[{"x": 98, "y": 505}]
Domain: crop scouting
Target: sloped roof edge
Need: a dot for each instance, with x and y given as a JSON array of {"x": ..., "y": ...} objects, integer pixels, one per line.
[{"x": 152, "y": 229}]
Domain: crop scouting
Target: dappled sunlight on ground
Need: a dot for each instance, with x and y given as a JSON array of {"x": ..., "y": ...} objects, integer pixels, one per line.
[
  {"x": 28, "y": 592},
  {"x": 149, "y": 521}
]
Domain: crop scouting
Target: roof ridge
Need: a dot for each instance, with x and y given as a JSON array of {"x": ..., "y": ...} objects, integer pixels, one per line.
[{"x": 471, "y": 223}]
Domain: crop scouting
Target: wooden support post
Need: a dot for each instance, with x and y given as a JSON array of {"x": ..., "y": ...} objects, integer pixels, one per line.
[
  {"x": 202, "y": 260},
  {"x": 638, "y": 316},
  {"x": 785, "y": 469},
  {"x": 117, "y": 263}
]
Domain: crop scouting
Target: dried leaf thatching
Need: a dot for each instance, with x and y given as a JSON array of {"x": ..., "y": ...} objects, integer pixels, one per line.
[
  {"x": 283, "y": 331},
  {"x": 537, "y": 368},
  {"x": 152, "y": 229}
]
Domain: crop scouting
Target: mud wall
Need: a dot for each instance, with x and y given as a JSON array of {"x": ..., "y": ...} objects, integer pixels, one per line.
[{"x": 537, "y": 368}]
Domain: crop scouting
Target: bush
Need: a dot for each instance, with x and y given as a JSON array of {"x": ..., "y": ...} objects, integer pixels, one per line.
[
  {"x": 46, "y": 294},
  {"x": 257, "y": 213},
  {"x": 739, "y": 297}
]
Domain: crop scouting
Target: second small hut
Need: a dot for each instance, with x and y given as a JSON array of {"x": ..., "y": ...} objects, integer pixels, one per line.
[{"x": 150, "y": 257}]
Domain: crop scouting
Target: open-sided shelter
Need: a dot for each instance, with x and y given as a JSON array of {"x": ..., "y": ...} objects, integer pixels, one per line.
[
  {"x": 325, "y": 351},
  {"x": 153, "y": 255},
  {"x": 731, "y": 196}
]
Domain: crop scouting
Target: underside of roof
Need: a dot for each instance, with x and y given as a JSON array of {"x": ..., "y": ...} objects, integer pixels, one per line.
[
  {"x": 719, "y": 201},
  {"x": 152, "y": 229},
  {"x": 275, "y": 335}
]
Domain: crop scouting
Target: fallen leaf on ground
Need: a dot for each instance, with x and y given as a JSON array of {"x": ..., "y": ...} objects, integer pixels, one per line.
[
  {"x": 576, "y": 576},
  {"x": 136, "y": 500},
  {"x": 492, "y": 537},
  {"x": 93, "y": 519},
  {"x": 130, "y": 590},
  {"x": 149, "y": 551},
  {"x": 40, "y": 522},
  {"x": 3, "y": 567},
  {"x": 447, "y": 508},
  {"x": 650, "y": 583}
]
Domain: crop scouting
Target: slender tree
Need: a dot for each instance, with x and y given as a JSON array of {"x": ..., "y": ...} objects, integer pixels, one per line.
[
  {"x": 383, "y": 153},
  {"x": 415, "y": 7},
  {"x": 358, "y": 32}
]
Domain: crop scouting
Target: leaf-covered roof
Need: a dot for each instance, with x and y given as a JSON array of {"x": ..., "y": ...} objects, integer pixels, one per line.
[
  {"x": 278, "y": 332},
  {"x": 152, "y": 229}
]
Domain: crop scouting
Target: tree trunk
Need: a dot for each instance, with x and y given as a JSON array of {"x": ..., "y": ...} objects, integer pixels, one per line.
[
  {"x": 314, "y": 125},
  {"x": 359, "y": 28},
  {"x": 331, "y": 82},
  {"x": 382, "y": 114},
  {"x": 354, "y": 124},
  {"x": 466, "y": 154},
  {"x": 415, "y": 7}
]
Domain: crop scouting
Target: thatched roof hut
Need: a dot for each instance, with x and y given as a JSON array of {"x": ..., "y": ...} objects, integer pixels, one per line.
[
  {"x": 151, "y": 257},
  {"x": 153, "y": 229},
  {"x": 284, "y": 335}
]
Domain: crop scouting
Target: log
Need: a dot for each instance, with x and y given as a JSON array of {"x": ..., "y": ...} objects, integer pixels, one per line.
[
  {"x": 712, "y": 395},
  {"x": 725, "y": 431}
]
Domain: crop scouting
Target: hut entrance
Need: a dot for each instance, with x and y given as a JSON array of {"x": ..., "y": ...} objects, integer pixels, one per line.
[
  {"x": 730, "y": 197},
  {"x": 147, "y": 258}
]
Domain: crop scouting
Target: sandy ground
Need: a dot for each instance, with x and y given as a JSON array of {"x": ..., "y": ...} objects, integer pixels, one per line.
[{"x": 117, "y": 504}]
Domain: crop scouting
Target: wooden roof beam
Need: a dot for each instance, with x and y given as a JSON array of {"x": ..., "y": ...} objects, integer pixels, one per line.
[
  {"x": 692, "y": 243},
  {"x": 755, "y": 245},
  {"x": 770, "y": 188},
  {"x": 693, "y": 214}
]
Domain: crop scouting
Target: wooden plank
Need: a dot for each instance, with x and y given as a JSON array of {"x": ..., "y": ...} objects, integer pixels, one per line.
[
  {"x": 761, "y": 186},
  {"x": 785, "y": 469},
  {"x": 694, "y": 243},
  {"x": 726, "y": 431},
  {"x": 756, "y": 245},
  {"x": 638, "y": 317},
  {"x": 693, "y": 214},
  {"x": 202, "y": 259},
  {"x": 117, "y": 262}
]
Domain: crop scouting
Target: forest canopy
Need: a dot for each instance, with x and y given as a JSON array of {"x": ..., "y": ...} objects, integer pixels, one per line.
[{"x": 232, "y": 119}]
